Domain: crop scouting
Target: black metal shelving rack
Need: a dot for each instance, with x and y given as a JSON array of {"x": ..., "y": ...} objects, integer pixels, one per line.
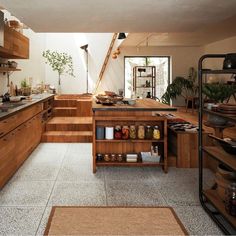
[{"x": 207, "y": 198}]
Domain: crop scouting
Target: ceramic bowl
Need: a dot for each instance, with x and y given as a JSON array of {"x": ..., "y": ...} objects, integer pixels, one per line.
[{"x": 216, "y": 120}]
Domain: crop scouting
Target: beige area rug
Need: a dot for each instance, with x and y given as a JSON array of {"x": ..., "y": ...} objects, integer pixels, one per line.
[{"x": 114, "y": 221}]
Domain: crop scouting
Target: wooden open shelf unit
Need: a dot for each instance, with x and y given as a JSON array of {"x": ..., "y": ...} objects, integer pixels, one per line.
[{"x": 130, "y": 145}]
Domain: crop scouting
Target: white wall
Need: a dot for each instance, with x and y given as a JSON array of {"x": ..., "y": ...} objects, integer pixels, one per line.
[
  {"x": 181, "y": 59},
  {"x": 220, "y": 47},
  {"x": 70, "y": 43}
]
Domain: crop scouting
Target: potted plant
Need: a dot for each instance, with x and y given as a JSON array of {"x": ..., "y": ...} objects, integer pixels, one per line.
[
  {"x": 60, "y": 62},
  {"x": 181, "y": 87},
  {"x": 217, "y": 93},
  {"x": 25, "y": 88}
]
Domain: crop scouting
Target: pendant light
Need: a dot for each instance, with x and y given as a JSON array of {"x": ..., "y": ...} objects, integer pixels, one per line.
[{"x": 121, "y": 36}]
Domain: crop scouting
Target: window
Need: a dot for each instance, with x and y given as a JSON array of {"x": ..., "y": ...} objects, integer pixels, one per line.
[{"x": 162, "y": 64}]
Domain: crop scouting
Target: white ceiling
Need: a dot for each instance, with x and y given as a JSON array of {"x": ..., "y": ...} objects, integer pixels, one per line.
[{"x": 173, "y": 21}]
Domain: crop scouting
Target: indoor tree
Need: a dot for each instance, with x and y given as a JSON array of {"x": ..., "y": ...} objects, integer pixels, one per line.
[
  {"x": 181, "y": 87},
  {"x": 60, "y": 62}
]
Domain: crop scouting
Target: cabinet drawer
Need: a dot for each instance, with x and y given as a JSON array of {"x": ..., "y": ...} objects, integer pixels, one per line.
[
  {"x": 8, "y": 124},
  {"x": 14, "y": 121}
]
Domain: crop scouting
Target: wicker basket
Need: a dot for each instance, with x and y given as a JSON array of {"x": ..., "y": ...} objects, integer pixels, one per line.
[{"x": 26, "y": 91}]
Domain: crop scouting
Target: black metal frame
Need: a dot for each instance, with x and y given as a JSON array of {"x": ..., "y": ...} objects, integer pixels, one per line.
[{"x": 221, "y": 222}]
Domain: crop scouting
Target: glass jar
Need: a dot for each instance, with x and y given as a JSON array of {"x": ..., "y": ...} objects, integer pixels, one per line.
[
  {"x": 156, "y": 133},
  {"x": 119, "y": 157},
  {"x": 106, "y": 157},
  {"x": 132, "y": 132},
  {"x": 99, "y": 157},
  {"x": 141, "y": 132},
  {"x": 148, "y": 132},
  {"x": 113, "y": 157},
  {"x": 230, "y": 202},
  {"x": 125, "y": 132},
  {"x": 118, "y": 132}
]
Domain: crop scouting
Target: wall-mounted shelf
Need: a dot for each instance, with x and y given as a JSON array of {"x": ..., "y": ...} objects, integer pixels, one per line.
[{"x": 8, "y": 69}]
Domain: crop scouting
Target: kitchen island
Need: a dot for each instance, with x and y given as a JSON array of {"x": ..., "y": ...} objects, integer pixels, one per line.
[{"x": 143, "y": 113}]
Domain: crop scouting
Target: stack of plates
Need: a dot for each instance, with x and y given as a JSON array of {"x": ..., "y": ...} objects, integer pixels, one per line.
[{"x": 228, "y": 109}]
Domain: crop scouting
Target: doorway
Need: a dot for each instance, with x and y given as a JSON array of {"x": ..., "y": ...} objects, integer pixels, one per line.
[{"x": 162, "y": 65}]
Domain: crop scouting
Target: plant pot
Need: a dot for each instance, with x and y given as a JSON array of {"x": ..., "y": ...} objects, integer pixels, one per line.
[{"x": 26, "y": 91}]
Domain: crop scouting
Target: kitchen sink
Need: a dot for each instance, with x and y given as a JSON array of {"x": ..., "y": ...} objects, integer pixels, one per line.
[{"x": 10, "y": 105}]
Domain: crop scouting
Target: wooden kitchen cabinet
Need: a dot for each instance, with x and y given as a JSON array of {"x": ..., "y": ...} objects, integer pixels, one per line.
[
  {"x": 16, "y": 145},
  {"x": 8, "y": 164},
  {"x": 26, "y": 140},
  {"x": 14, "y": 121},
  {"x": 16, "y": 45}
]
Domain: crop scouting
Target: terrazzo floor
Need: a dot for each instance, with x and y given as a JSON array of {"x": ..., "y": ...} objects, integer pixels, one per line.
[{"x": 61, "y": 174}]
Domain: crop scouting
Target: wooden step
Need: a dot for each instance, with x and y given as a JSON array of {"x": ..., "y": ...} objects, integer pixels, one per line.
[
  {"x": 67, "y": 136},
  {"x": 71, "y": 120},
  {"x": 64, "y": 103},
  {"x": 70, "y": 124},
  {"x": 64, "y": 111}
]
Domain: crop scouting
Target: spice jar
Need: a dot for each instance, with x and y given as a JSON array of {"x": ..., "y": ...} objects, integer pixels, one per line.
[
  {"x": 132, "y": 132},
  {"x": 156, "y": 133},
  {"x": 230, "y": 203},
  {"x": 148, "y": 132},
  {"x": 113, "y": 157},
  {"x": 118, "y": 132},
  {"x": 141, "y": 132},
  {"x": 106, "y": 157},
  {"x": 99, "y": 157},
  {"x": 119, "y": 157},
  {"x": 125, "y": 132}
]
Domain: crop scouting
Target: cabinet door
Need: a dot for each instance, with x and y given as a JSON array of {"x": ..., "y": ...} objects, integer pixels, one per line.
[
  {"x": 20, "y": 142},
  {"x": 8, "y": 162},
  {"x": 20, "y": 46},
  {"x": 5, "y": 51},
  {"x": 7, "y": 124},
  {"x": 16, "y": 45}
]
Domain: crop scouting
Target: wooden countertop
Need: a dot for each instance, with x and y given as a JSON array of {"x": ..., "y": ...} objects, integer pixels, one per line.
[{"x": 146, "y": 104}]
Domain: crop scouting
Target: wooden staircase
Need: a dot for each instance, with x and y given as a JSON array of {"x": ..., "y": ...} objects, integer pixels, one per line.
[{"x": 71, "y": 122}]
